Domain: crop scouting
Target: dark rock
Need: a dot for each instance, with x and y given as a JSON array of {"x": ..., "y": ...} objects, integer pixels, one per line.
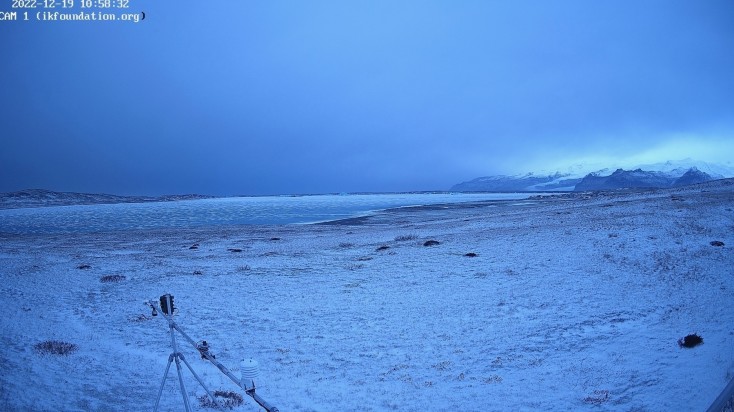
[
  {"x": 690, "y": 341},
  {"x": 716, "y": 243}
]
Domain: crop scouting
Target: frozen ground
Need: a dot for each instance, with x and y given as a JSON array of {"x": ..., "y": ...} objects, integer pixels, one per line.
[{"x": 569, "y": 304}]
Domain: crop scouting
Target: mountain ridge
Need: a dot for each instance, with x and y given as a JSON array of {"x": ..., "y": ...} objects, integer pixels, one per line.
[
  {"x": 666, "y": 174},
  {"x": 640, "y": 179}
]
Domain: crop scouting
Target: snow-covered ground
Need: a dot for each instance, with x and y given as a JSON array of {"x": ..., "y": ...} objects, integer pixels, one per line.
[{"x": 569, "y": 304}]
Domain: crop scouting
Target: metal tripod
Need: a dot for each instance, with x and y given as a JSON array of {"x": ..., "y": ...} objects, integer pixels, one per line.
[
  {"x": 178, "y": 357},
  {"x": 166, "y": 306}
]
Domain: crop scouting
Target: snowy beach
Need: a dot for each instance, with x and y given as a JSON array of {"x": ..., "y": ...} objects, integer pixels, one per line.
[{"x": 565, "y": 302}]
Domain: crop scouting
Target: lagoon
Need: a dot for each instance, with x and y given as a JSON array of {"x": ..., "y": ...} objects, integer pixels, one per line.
[{"x": 260, "y": 210}]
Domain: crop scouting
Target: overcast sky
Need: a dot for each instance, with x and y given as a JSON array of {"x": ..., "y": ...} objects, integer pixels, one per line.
[{"x": 269, "y": 97}]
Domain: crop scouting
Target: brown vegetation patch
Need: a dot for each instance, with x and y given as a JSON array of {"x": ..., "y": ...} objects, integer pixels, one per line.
[
  {"x": 112, "y": 278},
  {"x": 227, "y": 399},
  {"x": 55, "y": 347},
  {"x": 599, "y": 397}
]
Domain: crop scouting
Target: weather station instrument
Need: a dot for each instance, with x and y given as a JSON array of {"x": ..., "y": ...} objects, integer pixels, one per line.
[{"x": 249, "y": 368}]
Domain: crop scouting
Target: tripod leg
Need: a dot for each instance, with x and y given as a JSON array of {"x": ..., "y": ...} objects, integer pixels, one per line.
[
  {"x": 180, "y": 381},
  {"x": 176, "y": 355},
  {"x": 165, "y": 375},
  {"x": 199, "y": 379}
]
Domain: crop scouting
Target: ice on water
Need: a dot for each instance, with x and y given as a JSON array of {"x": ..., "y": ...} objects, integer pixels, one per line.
[{"x": 220, "y": 211}]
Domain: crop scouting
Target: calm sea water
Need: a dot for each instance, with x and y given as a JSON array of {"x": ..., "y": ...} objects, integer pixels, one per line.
[{"x": 220, "y": 211}]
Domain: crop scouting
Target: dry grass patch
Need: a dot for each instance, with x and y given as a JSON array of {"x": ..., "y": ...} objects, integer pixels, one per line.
[
  {"x": 55, "y": 347},
  {"x": 227, "y": 399},
  {"x": 112, "y": 278}
]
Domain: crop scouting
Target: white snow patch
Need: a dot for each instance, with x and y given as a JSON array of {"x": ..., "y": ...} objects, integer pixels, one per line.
[{"x": 568, "y": 305}]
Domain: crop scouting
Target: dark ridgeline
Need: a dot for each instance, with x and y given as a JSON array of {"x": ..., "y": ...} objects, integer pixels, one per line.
[
  {"x": 640, "y": 179},
  {"x": 619, "y": 179}
]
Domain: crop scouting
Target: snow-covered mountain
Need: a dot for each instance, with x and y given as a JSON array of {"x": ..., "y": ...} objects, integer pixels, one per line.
[
  {"x": 639, "y": 179},
  {"x": 523, "y": 183},
  {"x": 577, "y": 177},
  {"x": 715, "y": 170},
  {"x": 691, "y": 177}
]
